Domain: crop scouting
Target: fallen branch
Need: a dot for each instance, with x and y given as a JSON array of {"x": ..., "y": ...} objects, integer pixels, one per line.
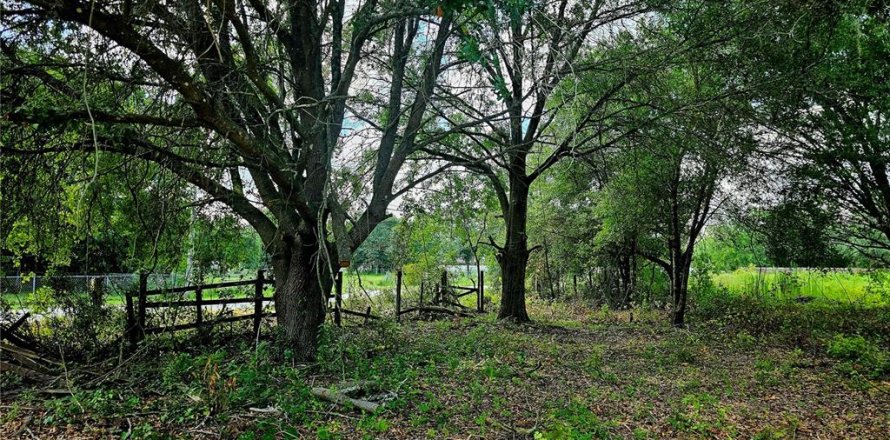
[
  {"x": 342, "y": 399},
  {"x": 15, "y": 326},
  {"x": 356, "y": 386},
  {"x": 103, "y": 377},
  {"x": 23, "y": 371},
  {"x": 359, "y": 314},
  {"x": 22, "y": 427},
  {"x": 27, "y": 357},
  {"x": 16, "y": 340}
]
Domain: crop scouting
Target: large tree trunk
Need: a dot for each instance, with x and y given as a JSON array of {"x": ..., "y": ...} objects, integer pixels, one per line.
[
  {"x": 302, "y": 281},
  {"x": 513, "y": 265},
  {"x": 513, "y": 258}
]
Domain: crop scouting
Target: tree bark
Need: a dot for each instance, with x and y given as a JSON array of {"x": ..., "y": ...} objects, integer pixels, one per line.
[
  {"x": 513, "y": 258},
  {"x": 679, "y": 289},
  {"x": 302, "y": 281},
  {"x": 513, "y": 266}
]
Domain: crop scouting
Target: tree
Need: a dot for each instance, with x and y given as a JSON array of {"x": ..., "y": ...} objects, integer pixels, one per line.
[
  {"x": 514, "y": 104},
  {"x": 562, "y": 221},
  {"x": 220, "y": 243},
  {"x": 246, "y": 101},
  {"x": 376, "y": 251},
  {"x": 798, "y": 231},
  {"x": 832, "y": 114},
  {"x": 674, "y": 173},
  {"x": 126, "y": 217},
  {"x": 730, "y": 245}
]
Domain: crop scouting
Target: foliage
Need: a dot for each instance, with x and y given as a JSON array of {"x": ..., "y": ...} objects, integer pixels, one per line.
[
  {"x": 106, "y": 215},
  {"x": 790, "y": 321},
  {"x": 857, "y": 354},
  {"x": 478, "y": 377},
  {"x": 219, "y": 244},
  {"x": 728, "y": 246},
  {"x": 828, "y": 113},
  {"x": 378, "y": 250}
]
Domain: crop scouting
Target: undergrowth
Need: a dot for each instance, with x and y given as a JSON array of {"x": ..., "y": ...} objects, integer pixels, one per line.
[{"x": 576, "y": 373}]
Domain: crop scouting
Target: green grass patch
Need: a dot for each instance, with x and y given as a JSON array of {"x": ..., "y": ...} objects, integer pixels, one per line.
[{"x": 863, "y": 288}]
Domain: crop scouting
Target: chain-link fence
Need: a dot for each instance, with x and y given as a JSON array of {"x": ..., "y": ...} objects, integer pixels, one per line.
[{"x": 112, "y": 282}]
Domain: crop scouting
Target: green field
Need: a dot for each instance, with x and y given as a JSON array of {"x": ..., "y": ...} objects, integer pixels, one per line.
[{"x": 867, "y": 288}]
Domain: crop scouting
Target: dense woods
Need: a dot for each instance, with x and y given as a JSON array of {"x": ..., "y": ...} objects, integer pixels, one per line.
[{"x": 714, "y": 173}]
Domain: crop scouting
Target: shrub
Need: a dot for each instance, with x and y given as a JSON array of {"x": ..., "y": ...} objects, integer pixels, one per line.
[
  {"x": 74, "y": 323},
  {"x": 858, "y": 354},
  {"x": 802, "y": 324}
]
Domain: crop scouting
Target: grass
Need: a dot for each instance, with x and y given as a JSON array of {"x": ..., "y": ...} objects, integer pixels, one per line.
[
  {"x": 846, "y": 286},
  {"x": 576, "y": 373}
]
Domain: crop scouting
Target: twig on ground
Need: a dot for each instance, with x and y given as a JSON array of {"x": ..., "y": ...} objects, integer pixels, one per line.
[
  {"x": 342, "y": 399},
  {"x": 23, "y": 427}
]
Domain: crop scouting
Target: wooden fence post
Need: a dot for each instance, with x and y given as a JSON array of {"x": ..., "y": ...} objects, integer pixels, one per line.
[
  {"x": 399, "y": 295},
  {"x": 421, "y": 292},
  {"x": 443, "y": 285},
  {"x": 143, "y": 288},
  {"x": 258, "y": 302},
  {"x": 480, "y": 302},
  {"x": 130, "y": 329},
  {"x": 199, "y": 316},
  {"x": 367, "y": 315},
  {"x": 338, "y": 298},
  {"x": 95, "y": 288}
]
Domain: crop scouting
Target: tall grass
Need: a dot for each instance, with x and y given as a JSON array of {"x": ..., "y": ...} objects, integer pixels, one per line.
[{"x": 864, "y": 288}]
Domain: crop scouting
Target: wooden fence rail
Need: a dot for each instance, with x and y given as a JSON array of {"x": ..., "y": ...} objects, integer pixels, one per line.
[
  {"x": 444, "y": 294},
  {"x": 137, "y": 303},
  {"x": 136, "y": 328}
]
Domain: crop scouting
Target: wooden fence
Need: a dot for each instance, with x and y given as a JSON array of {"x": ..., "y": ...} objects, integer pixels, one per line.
[
  {"x": 445, "y": 299},
  {"x": 137, "y": 307}
]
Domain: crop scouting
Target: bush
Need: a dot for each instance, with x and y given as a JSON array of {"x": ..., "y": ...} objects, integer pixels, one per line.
[
  {"x": 860, "y": 355},
  {"x": 802, "y": 324},
  {"x": 77, "y": 324}
]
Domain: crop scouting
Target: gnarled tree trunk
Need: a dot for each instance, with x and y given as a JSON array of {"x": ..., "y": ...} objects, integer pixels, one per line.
[{"x": 302, "y": 282}]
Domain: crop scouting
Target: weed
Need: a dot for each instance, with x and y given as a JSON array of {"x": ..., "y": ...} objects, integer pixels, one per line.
[
  {"x": 374, "y": 424},
  {"x": 141, "y": 431},
  {"x": 575, "y": 421},
  {"x": 856, "y": 353},
  {"x": 641, "y": 434},
  {"x": 684, "y": 349},
  {"x": 744, "y": 340}
]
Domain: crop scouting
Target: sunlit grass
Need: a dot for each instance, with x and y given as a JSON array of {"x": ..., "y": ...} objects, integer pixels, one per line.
[{"x": 848, "y": 286}]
